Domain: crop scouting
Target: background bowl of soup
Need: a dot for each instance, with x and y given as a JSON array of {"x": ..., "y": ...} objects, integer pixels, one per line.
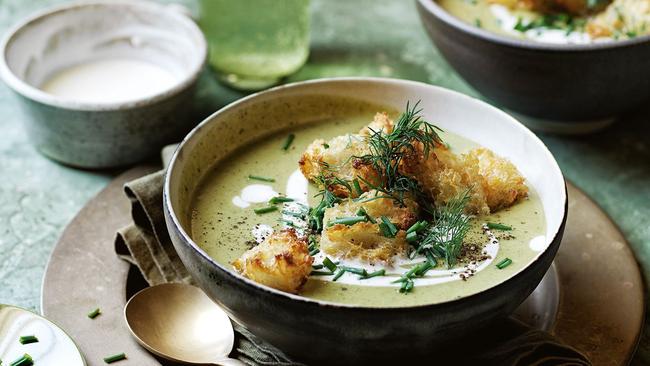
[
  {"x": 564, "y": 87},
  {"x": 340, "y": 327}
]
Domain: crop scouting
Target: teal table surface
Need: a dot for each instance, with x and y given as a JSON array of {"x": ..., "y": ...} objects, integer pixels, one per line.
[{"x": 349, "y": 38}]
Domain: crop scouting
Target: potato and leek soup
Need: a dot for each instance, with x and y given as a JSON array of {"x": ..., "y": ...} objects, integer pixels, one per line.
[
  {"x": 556, "y": 21},
  {"x": 378, "y": 208}
]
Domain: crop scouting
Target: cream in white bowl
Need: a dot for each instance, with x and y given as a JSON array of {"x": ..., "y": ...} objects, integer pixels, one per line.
[{"x": 123, "y": 109}]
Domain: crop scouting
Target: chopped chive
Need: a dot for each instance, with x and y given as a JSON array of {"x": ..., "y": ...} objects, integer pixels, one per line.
[
  {"x": 412, "y": 237},
  {"x": 28, "y": 339},
  {"x": 407, "y": 286},
  {"x": 317, "y": 266},
  {"x": 321, "y": 273},
  {"x": 388, "y": 228},
  {"x": 26, "y": 360},
  {"x": 294, "y": 214},
  {"x": 280, "y": 199},
  {"x": 504, "y": 263},
  {"x": 288, "y": 141},
  {"x": 347, "y": 220},
  {"x": 115, "y": 358},
  {"x": 329, "y": 264},
  {"x": 423, "y": 269},
  {"x": 494, "y": 226},
  {"x": 417, "y": 227},
  {"x": 325, "y": 145},
  {"x": 314, "y": 251},
  {"x": 381, "y": 272},
  {"x": 357, "y": 187},
  {"x": 338, "y": 274},
  {"x": 260, "y": 178},
  {"x": 362, "y": 212},
  {"x": 266, "y": 209},
  {"x": 359, "y": 271},
  {"x": 93, "y": 314}
]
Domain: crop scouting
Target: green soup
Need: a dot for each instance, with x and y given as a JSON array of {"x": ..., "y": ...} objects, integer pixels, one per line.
[{"x": 222, "y": 227}]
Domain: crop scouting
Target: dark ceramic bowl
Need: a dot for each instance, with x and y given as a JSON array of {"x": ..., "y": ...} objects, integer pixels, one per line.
[
  {"x": 317, "y": 331},
  {"x": 579, "y": 87}
]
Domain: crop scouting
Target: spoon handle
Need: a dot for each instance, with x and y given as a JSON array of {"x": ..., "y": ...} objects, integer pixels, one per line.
[{"x": 229, "y": 362}]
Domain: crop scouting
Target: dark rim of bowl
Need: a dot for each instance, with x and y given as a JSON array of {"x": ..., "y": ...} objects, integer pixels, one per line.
[
  {"x": 31, "y": 92},
  {"x": 443, "y": 15},
  {"x": 187, "y": 240}
]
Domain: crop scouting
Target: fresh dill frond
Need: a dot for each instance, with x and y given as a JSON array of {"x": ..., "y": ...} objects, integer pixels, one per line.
[
  {"x": 445, "y": 238},
  {"x": 388, "y": 150}
]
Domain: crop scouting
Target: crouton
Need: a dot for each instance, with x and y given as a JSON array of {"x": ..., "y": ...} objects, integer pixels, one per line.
[
  {"x": 365, "y": 240},
  {"x": 338, "y": 157},
  {"x": 362, "y": 241},
  {"x": 282, "y": 261},
  {"x": 493, "y": 182}
]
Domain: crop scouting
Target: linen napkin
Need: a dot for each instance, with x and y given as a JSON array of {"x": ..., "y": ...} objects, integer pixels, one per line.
[{"x": 146, "y": 244}]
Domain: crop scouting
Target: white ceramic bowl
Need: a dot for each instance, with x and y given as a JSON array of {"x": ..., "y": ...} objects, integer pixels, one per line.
[{"x": 98, "y": 135}]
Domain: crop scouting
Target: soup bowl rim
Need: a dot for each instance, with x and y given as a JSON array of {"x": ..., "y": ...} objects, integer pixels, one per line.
[
  {"x": 433, "y": 8},
  {"x": 173, "y": 223}
]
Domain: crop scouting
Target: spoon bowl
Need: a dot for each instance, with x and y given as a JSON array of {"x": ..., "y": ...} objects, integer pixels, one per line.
[{"x": 180, "y": 323}]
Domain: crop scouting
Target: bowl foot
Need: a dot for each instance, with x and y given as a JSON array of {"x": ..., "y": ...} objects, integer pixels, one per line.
[{"x": 563, "y": 127}]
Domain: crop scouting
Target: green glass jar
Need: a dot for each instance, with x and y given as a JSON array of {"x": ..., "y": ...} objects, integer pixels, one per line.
[{"x": 255, "y": 43}]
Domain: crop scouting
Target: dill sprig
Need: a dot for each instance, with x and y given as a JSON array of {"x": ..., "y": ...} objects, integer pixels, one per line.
[
  {"x": 444, "y": 239},
  {"x": 388, "y": 150}
]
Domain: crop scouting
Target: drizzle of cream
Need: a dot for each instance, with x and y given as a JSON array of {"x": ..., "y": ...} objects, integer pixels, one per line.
[
  {"x": 254, "y": 193},
  {"x": 297, "y": 187},
  {"x": 402, "y": 265},
  {"x": 507, "y": 20},
  {"x": 261, "y": 232},
  {"x": 538, "y": 243}
]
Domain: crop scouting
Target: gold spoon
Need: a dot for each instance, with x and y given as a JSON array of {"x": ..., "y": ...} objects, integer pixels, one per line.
[{"x": 180, "y": 323}]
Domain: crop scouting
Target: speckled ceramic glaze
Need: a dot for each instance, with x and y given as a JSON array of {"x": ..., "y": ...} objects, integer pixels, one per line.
[
  {"x": 100, "y": 135},
  {"x": 317, "y": 331},
  {"x": 565, "y": 88}
]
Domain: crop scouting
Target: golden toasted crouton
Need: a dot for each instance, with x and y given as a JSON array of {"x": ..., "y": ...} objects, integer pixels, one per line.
[
  {"x": 365, "y": 240},
  {"x": 362, "y": 241},
  {"x": 494, "y": 182},
  {"x": 282, "y": 261},
  {"x": 402, "y": 216},
  {"x": 338, "y": 156}
]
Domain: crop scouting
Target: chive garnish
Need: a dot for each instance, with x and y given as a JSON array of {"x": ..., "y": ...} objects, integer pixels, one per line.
[
  {"x": 495, "y": 226},
  {"x": 359, "y": 271},
  {"x": 280, "y": 199},
  {"x": 93, "y": 314},
  {"x": 115, "y": 358},
  {"x": 407, "y": 286},
  {"x": 288, "y": 141},
  {"x": 260, "y": 178},
  {"x": 26, "y": 360},
  {"x": 321, "y": 273},
  {"x": 329, "y": 264},
  {"x": 387, "y": 228},
  {"x": 504, "y": 263},
  {"x": 357, "y": 187},
  {"x": 266, "y": 209},
  {"x": 412, "y": 237},
  {"x": 313, "y": 252},
  {"x": 347, "y": 220},
  {"x": 317, "y": 266},
  {"x": 378, "y": 273},
  {"x": 338, "y": 274},
  {"x": 362, "y": 212},
  {"x": 28, "y": 339}
]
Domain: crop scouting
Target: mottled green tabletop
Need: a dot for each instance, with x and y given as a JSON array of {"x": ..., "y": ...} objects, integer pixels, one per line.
[{"x": 349, "y": 38}]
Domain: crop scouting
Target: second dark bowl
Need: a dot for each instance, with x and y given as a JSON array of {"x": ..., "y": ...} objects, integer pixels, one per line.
[{"x": 574, "y": 84}]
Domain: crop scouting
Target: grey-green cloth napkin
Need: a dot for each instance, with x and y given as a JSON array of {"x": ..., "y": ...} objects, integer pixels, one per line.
[{"x": 146, "y": 244}]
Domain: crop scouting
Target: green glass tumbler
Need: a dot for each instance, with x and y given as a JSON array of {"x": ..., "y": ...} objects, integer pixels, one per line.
[{"x": 255, "y": 43}]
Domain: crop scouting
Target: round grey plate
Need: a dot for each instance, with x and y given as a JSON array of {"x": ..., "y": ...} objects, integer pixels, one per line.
[{"x": 595, "y": 271}]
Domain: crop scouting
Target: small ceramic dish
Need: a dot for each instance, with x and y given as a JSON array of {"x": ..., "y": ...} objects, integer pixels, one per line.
[
  {"x": 351, "y": 333},
  {"x": 569, "y": 88},
  {"x": 103, "y": 134}
]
